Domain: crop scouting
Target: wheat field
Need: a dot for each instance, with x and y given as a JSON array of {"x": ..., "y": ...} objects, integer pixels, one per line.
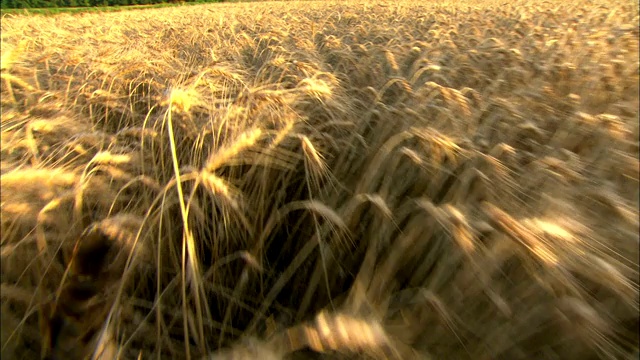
[{"x": 322, "y": 180}]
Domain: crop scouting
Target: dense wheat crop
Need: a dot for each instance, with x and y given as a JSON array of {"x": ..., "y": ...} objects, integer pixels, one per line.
[{"x": 437, "y": 180}]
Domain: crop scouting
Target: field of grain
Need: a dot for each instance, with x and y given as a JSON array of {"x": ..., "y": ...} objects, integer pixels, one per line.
[{"x": 352, "y": 179}]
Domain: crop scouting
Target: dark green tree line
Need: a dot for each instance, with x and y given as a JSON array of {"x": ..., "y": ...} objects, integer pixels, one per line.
[{"x": 34, "y": 4}]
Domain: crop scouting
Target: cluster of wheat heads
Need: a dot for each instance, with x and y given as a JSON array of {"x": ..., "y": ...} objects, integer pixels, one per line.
[{"x": 352, "y": 179}]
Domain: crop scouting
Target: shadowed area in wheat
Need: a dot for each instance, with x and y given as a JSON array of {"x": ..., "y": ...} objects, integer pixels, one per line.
[{"x": 386, "y": 180}]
